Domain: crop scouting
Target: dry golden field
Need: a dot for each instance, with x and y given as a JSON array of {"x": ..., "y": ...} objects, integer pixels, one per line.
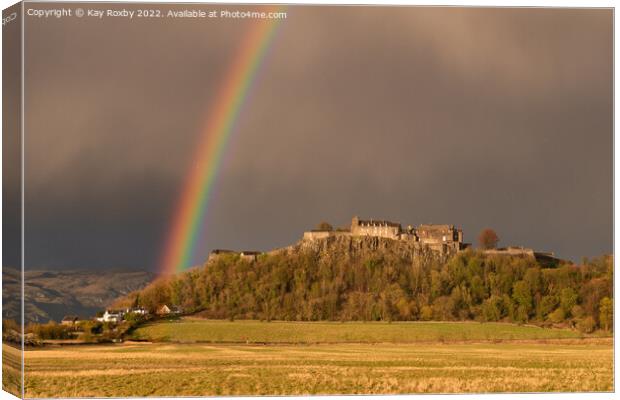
[
  {"x": 165, "y": 369},
  {"x": 11, "y": 369}
]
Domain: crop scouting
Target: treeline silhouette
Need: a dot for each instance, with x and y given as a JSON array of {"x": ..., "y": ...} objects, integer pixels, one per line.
[{"x": 383, "y": 286}]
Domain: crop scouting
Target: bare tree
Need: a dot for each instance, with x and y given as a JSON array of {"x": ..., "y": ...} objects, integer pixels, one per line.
[{"x": 488, "y": 239}]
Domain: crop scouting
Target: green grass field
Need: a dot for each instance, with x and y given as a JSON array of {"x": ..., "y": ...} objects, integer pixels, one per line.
[{"x": 188, "y": 330}]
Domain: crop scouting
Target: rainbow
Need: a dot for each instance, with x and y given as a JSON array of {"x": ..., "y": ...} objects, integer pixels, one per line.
[{"x": 189, "y": 213}]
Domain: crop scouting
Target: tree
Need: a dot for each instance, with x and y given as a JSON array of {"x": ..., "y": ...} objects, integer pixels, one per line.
[
  {"x": 606, "y": 309},
  {"x": 325, "y": 226},
  {"x": 577, "y": 311},
  {"x": 491, "y": 308},
  {"x": 568, "y": 299},
  {"x": 523, "y": 297},
  {"x": 547, "y": 305},
  {"x": 426, "y": 313},
  {"x": 488, "y": 239},
  {"x": 557, "y": 316},
  {"x": 443, "y": 308},
  {"x": 10, "y": 325},
  {"x": 136, "y": 301},
  {"x": 586, "y": 325}
]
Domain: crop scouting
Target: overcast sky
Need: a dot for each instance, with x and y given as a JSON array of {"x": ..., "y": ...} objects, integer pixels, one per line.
[{"x": 496, "y": 118}]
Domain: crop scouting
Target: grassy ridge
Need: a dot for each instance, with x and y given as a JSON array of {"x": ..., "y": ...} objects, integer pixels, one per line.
[
  {"x": 217, "y": 331},
  {"x": 199, "y": 369}
]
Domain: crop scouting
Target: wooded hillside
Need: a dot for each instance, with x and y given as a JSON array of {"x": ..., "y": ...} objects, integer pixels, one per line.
[{"x": 379, "y": 279}]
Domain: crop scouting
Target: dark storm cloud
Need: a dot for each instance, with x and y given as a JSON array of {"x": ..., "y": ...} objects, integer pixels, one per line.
[{"x": 476, "y": 117}]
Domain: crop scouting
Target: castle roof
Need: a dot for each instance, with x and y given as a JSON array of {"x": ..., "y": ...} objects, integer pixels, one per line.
[
  {"x": 372, "y": 222},
  {"x": 432, "y": 227}
]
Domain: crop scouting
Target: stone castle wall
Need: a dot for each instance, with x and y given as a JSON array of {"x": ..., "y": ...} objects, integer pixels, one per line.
[
  {"x": 389, "y": 232},
  {"x": 318, "y": 235},
  {"x": 443, "y": 239}
]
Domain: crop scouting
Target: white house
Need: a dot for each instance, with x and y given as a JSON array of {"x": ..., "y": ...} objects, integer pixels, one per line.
[{"x": 111, "y": 316}]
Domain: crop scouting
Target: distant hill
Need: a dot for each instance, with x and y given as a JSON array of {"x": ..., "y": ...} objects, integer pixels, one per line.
[{"x": 50, "y": 295}]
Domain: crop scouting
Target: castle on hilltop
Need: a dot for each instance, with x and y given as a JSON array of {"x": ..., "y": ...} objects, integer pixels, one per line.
[{"x": 445, "y": 239}]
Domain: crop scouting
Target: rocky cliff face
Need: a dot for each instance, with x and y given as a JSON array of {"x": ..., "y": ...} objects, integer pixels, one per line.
[{"x": 345, "y": 247}]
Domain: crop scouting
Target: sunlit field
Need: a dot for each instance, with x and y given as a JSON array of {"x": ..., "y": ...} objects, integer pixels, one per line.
[
  {"x": 11, "y": 369},
  {"x": 201, "y": 369},
  {"x": 277, "y": 358}
]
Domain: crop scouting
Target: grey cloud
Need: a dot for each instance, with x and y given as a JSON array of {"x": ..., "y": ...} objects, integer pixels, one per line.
[{"x": 477, "y": 117}]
